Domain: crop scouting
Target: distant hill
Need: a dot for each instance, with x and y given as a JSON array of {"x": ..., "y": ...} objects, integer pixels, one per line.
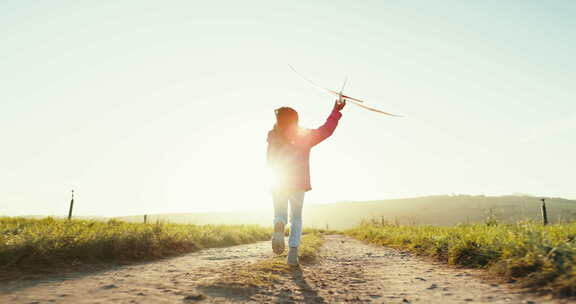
[{"x": 429, "y": 210}]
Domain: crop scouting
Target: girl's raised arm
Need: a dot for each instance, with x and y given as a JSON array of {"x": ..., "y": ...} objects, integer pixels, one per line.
[{"x": 324, "y": 131}]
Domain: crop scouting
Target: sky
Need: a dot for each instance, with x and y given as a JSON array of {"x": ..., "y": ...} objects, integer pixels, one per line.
[{"x": 164, "y": 106}]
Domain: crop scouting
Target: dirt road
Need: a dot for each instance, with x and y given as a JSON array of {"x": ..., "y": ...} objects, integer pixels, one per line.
[{"x": 348, "y": 271}]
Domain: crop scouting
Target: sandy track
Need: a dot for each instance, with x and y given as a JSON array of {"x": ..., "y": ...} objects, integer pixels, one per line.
[
  {"x": 167, "y": 281},
  {"x": 348, "y": 271},
  {"x": 351, "y": 271}
]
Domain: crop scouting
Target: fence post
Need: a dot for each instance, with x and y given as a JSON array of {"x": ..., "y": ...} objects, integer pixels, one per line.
[
  {"x": 71, "y": 206},
  {"x": 145, "y": 218},
  {"x": 544, "y": 213}
]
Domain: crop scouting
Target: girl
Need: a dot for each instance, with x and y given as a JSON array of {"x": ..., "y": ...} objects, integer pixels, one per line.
[{"x": 288, "y": 156}]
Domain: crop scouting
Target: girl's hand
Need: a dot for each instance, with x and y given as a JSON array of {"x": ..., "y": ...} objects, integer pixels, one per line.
[{"x": 339, "y": 104}]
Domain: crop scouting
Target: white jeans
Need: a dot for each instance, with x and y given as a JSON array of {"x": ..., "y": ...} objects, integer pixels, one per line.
[{"x": 296, "y": 199}]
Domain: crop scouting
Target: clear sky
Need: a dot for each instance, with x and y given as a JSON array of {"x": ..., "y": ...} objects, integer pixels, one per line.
[{"x": 164, "y": 106}]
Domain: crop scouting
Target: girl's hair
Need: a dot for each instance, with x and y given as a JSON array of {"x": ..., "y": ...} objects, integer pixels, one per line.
[{"x": 286, "y": 118}]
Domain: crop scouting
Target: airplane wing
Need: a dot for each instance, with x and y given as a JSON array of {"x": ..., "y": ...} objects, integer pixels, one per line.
[
  {"x": 354, "y": 101},
  {"x": 372, "y": 109}
]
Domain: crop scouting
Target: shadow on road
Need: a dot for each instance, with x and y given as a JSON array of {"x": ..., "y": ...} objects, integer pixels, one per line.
[{"x": 310, "y": 294}]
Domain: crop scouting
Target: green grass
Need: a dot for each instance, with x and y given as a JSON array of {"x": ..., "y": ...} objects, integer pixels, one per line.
[
  {"x": 540, "y": 257},
  {"x": 268, "y": 271},
  {"x": 37, "y": 245}
]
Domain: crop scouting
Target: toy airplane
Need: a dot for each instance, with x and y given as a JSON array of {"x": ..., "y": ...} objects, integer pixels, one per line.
[{"x": 342, "y": 97}]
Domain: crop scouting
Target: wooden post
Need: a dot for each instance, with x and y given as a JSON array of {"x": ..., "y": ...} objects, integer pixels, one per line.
[
  {"x": 544, "y": 213},
  {"x": 71, "y": 206},
  {"x": 145, "y": 218}
]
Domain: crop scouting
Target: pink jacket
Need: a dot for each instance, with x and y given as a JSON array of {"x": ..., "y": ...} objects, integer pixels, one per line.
[{"x": 290, "y": 161}]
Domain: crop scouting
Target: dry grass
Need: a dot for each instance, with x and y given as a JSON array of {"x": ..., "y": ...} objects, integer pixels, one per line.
[{"x": 266, "y": 272}]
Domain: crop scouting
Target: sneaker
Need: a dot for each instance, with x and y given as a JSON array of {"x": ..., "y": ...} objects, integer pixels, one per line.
[
  {"x": 278, "y": 239},
  {"x": 292, "y": 258}
]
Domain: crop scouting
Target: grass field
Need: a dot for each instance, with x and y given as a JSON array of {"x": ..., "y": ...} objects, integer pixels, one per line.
[
  {"x": 540, "y": 257},
  {"x": 33, "y": 245}
]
